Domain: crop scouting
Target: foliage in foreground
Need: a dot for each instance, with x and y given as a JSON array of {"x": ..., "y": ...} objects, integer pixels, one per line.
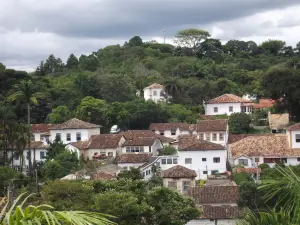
[{"x": 19, "y": 214}]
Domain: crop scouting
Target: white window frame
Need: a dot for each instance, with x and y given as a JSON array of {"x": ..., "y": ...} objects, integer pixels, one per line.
[
  {"x": 243, "y": 162},
  {"x": 297, "y": 139},
  {"x": 230, "y": 108},
  {"x": 207, "y": 136},
  {"x": 188, "y": 160},
  {"x": 68, "y": 136},
  {"x": 221, "y": 136},
  {"x": 78, "y": 136},
  {"x": 186, "y": 185},
  {"x": 215, "y": 159},
  {"x": 214, "y": 137},
  {"x": 216, "y": 109}
]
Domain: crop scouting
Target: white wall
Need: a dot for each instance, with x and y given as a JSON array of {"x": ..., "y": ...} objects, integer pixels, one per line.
[
  {"x": 293, "y": 161},
  {"x": 71, "y": 148},
  {"x": 156, "y": 145},
  {"x": 85, "y": 134},
  {"x": 223, "y": 108},
  {"x": 179, "y": 183},
  {"x": 199, "y": 166},
  {"x": 127, "y": 166},
  {"x": 208, "y": 222},
  {"x": 294, "y": 143},
  {"x": 168, "y": 133},
  {"x": 149, "y": 94},
  {"x": 217, "y": 141}
]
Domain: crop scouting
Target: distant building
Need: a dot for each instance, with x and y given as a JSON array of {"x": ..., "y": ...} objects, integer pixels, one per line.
[
  {"x": 278, "y": 122},
  {"x": 155, "y": 92},
  {"x": 228, "y": 104}
]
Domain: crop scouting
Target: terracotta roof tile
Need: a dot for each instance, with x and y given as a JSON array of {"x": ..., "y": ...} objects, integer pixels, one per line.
[
  {"x": 212, "y": 125},
  {"x": 192, "y": 143},
  {"x": 134, "y": 158},
  {"x": 278, "y": 121},
  {"x": 248, "y": 170},
  {"x": 141, "y": 141},
  {"x": 171, "y": 126},
  {"x": 228, "y": 98},
  {"x": 132, "y": 134},
  {"x": 220, "y": 212},
  {"x": 155, "y": 85},
  {"x": 294, "y": 127},
  {"x": 80, "y": 144},
  {"x": 214, "y": 194},
  {"x": 232, "y": 138},
  {"x": 74, "y": 124},
  {"x": 264, "y": 103},
  {"x": 179, "y": 172},
  {"x": 37, "y": 145},
  {"x": 103, "y": 176},
  {"x": 40, "y": 128},
  {"x": 264, "y": 145}
]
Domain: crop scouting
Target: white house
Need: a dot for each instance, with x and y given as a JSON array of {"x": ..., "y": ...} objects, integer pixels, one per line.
[
  {"x": 40, "y": 132},
  {"x": 99, "y": 146},
  {"x": 155, "y": 92},
  {"x": 133, "y": 160},
  {"x": 38, "y": 154},
  {"x": 173, "y": 130},
  {"x": 206, "y": 158},
  {"x": 149, "y": 145},
  {"x": 252, "y": 151},
  {"x": 73, "y": 130},
  {"x": 228, "y": 104}
]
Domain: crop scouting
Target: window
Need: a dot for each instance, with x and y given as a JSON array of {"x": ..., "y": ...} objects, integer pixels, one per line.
[
  {"x": 110, "y": 154},
  {"x": 297, "y": 136},
  {"x": 32, "y": 137},
  {"x": 47, "y": 139},
  {"x": 243, "y": 109},
  {"x": 243, "y": 162},
  {"x": 214, "y": 137},
  {"x": 162, "y": 133},
  {"x": 173, "y": 132},
  {"x": 103, "y": 154},
  {"x": 127, "y": 149},
  {"x": 216, "y": 159},
  {"x": 188, "y": 160},
  {"x": 275, "y": 160},
  {"x": 141, "y": 148},
  {"x": 175, "y": 161},
  {"x": 154, "y": 93},
  {"x": 221, "y": 136},
  {"x": 203, "y": 159},
  {"x": 207, "y": 136},
  {"x": 163, "y": 161},
  {"x": 257, "y": 160},
  {"x": 58, "y": 135},
  {"x": 298, "y": 159},
  {"x": 205, "y": 172},
  {"x": 186, "y": 185},
  {"x": 214, "y": 172},
  {"x": 230, "y": 108},
  {"x": 27, "y": 155},
  {"x": 172, "y": 184},
  {"x": 215, "y": 109},
  {"x": 201, "y": 136},
  {"x": 41, "y": 138},
  {"x": 42, "y": 155},
  {"x": 78, "y": 136},
  {"x": 68, "y": 137},
  {"x": 148, "y": 172},
  {"x": 143, "y": 174},
  {"x": 169, "y": 161}
]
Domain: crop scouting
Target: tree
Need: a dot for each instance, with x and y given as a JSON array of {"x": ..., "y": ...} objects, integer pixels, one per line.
[
  {"x": 133, "y": 174},
  {"x": 26, "y": 93},
  {"x": 53, "y": 65},
  {"x": 273, "y": 46},
  {"x": 44, "y": 214},
  {"x": 173, "y": 88},
  {"x": 239, "y": 123},
  {"x": 59, "y": 114},
  {"x": 72, "y": 62},
  {"x": 191, "y": 38},
  {"x": 168, "y": 150},
  {"x": 55, "y": 148},
  {"x": 135, "y": 41}
]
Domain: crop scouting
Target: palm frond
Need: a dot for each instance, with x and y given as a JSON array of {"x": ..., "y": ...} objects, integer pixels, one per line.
[{"x": 17, "y": 96}]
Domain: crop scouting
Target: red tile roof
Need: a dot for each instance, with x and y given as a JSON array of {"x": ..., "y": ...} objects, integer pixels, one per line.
[
  {"x": 232, "y": 138},
  {"x": 74, "y": 124},
  {"x": 228, "y": 98},
  {"x": 294, "y": 127},
  {"x": 132, "y": 134},
  {"x": 37, "y": 145},
  {"x": 134, "y": 158},
  {"x": 212, "y": 125},
  {"x": 220, "y": 212},
  {"x": 155, "y": 85},
  {"x": 192, "y": 143},
  {"x": 214, "y": 194},
  {"x": 40, "y": 128},
  {"x": 264, "y": 103},
  {"x": 141, "y": 141},
  {"x": 171, "y": 126},
  {"x": 248, "y": 170},
  {"x": 264, "y": 145},
  {"x": 103, "y": 176},
  {"x": 179, "y": 172}
]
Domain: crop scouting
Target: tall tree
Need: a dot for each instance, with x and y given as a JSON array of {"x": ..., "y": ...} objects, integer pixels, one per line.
[
  {"x": 26, "y": 93},
  {"x": 72, "y": 62},
  {"x": 191, "y": 38},
  {"x": 273, "y": 46}
]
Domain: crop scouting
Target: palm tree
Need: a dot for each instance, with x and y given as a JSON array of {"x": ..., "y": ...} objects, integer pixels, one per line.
[
  {"x": 286, "y": 192},
  {"x": 26, "y": 93},
  {"x": 172, "y": 88},
  {"x": 17, "y": 214}
]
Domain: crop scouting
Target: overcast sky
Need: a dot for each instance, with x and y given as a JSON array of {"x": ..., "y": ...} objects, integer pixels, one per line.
[{"x": 30, "y": 30}]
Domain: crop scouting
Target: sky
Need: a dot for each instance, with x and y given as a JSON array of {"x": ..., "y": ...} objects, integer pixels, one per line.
[{"x": 31, "y": 30}]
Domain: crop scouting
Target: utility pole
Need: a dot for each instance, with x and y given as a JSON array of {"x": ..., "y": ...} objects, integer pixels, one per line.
[{"x": 164, "y": 31}]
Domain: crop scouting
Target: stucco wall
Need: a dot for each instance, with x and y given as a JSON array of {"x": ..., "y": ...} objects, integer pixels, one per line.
[
  {"x": 222, "y": 108},
  {"x": 294, "y": 143},
  {"x": 179, "y": 182},
  {"x": 17, "y": 162},
  {"x": 208, "y": 222},
  {"x": 149, "y": 94}
]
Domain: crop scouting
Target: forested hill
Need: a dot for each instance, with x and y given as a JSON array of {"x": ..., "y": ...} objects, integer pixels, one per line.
[{"x": 102, "y": 87}]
